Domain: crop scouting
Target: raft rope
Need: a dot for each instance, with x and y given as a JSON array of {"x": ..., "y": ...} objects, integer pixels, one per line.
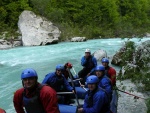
[{"x": 136, "y": 97}]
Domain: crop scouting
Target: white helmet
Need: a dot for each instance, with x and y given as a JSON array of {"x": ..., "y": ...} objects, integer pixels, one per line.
[{"x": 87, "y": 51}]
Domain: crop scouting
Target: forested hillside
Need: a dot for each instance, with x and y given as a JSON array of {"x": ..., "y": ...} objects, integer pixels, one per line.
[{"x": 90, "y": 18}]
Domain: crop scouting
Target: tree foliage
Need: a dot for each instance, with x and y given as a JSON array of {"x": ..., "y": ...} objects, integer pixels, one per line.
[
  {"x": 90, "y": 18},
  {"x": 9, "y": 14}
]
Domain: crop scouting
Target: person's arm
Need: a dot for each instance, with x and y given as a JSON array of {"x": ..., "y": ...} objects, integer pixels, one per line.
[
  {"x": 98, "y": 102},
  {"x": 83, "y": 61},
  {"x": 67, "y": 85},
  {"x": 18, "y": 102},
  {"x": 95, "y": 64},
  {"x": 47, "y": 79},
  {"x": 106, "y": 85},
  {"x": 112, "y": 73},
  {"x": 49, "y": 100}
]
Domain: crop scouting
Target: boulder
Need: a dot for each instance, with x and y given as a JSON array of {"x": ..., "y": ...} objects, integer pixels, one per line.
[
  {"x": 99, "y": 54},
  {"x": 78, "y": 39},
  {"x": 17, "y": 43},
  {"x": 4, "y": 44},
  {"x": 36, "y": 30},
  {"x": 116, "y": 60},
  {"x": 147, "y": 35}
]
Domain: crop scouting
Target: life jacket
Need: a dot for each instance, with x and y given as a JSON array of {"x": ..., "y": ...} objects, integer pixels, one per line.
[
  {"x": 66, "y": 74},
  {"x": 2, "y": 111},
  {"x": 90, "y": 64},
  {"x": 33, "y": 105},
  {"x": 58, "y": 84},
  {"x": 105, "y": 107},
  {"x": 106, "y": 72}
]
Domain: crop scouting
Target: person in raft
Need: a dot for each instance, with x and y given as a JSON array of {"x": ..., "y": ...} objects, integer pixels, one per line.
[
  {"x": 104, "y": 81},
  {"x": 65, "y": 72},
  {"x": 2, "y": 110},
  {"x": 34, "y": 97},
  {"x": 109, "y": 71},
  {"x": 89, "y": 63},
  {"x": 96, "y": 99},
  {"x": 58, "y": 82}
]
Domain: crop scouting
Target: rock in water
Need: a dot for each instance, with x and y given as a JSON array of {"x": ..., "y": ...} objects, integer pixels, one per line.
[
  {"x": 37, "y": 30},
  {"x": 78, "y": 39},
  {"x": 99, "y": 54}
]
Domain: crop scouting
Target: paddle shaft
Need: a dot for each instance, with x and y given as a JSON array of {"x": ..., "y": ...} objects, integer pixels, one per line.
[
  {"x": 76, "y": 80},
  {"x": 79, "y": 79},
  {"x": 73, "y": 86},
  {"x": 74, "y": 71},
  {"x": 82, "y": 87},
  {"x": 64, "y": 93},
  {"x": 130, "y": 94}
]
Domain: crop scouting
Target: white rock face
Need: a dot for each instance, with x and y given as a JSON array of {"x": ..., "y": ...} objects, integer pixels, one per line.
[
  {"x": 78, "y": 39},
  {"x": 36, "y": 30},
  {"x": 4, "y": 44},
  {"x": 99, "y": 54}
]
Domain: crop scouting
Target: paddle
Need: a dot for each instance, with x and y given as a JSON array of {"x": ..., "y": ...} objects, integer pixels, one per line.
[
  {"x": 82, "y": 86},
  {"x": 74, "y": 71},
  {"x": 74, "y": 80},
  {"x": 79, "y": 80},
  {"x": 64, "y": 93},
  {"x": 73, "y": 86}
]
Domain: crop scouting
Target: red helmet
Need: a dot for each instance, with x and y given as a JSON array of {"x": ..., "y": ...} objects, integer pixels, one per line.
[{"x": 68, "y": 65}]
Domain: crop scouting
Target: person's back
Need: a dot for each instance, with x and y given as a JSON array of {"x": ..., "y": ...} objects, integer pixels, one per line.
[
  {"x": 65, "y": 71},
  {"x": 105, "y": 83},
  {"x": 111, "y": 73}
]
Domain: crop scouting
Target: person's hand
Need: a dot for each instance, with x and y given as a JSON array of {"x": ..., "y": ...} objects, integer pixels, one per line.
[
  {"x": 81, "y": 79},
  {"x": 80, "y": 110},
  {"x": 86, "y": 57},
  {"x": 82, "y": 85},
  {"x": 73, "y": 91},
  {"x": 88, "y": 74}
]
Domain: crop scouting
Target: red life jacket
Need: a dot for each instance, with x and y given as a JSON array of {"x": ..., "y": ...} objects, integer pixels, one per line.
[{"x": 2, "y": 111}]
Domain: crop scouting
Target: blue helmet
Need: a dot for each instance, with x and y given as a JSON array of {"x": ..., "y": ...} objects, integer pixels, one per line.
[
  {"x": 92, "y": 79},
  {"x": 105, "y": 60},
  {"x": 60, "y": 67},
  {"x": 100, "y": 68},
  {"x": 28, "y": 73}
]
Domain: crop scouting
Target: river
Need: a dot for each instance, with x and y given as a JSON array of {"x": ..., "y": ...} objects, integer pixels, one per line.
[{"x": 44, "y": 59}]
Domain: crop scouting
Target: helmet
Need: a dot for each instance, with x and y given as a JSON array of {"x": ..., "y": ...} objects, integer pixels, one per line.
[
  {"x": 92, "y": 79},
  {"x": 69, "y": 65},
  {"x": 28, "y": 73},
  {"x": 100, "y": 68},
  {"x": 105, "y": 60},
  {"x": 59, "y": 67},
  {"x": 87, "y": 51}
]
